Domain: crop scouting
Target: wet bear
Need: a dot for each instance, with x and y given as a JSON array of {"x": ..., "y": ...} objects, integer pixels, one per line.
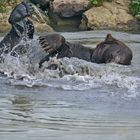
[
  {"x": 110, "y": 50},
  {"x": 21, "y": 27}
]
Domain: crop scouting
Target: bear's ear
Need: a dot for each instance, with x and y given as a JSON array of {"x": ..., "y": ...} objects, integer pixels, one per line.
[{"x": 109, "y": 38}]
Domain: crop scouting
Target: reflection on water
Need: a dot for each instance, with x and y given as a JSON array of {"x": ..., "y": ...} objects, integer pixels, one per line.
[
  {"x": 90, "y": 102},
  {"x": 21, "y": 103},
  {"x": 64, "y": 115}
]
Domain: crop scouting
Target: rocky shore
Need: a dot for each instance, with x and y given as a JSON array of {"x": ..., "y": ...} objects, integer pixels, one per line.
[
  {"x": 111, "y": 15},
  {"x": 66, "y": 15}
]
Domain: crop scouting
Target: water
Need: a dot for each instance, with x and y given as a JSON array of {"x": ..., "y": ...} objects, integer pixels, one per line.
[{"x": 79, "y": 101}]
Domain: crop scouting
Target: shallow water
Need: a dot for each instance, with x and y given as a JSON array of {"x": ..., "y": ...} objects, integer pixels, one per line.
[{"x": 91, "y": 101}]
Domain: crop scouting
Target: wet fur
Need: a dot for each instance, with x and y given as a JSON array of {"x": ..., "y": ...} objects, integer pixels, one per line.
[
  {"x": 110, "y": 50},
  {"x": 21, "y": 26}
]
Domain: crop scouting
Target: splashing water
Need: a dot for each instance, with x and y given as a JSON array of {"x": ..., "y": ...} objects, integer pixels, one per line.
[
  {"x": 69, "y": 74},
  {"x": 69, "y": 98}
]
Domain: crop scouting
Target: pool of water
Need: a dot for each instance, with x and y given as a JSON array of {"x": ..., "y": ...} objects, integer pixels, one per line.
[{"x": 101, "y": 104}]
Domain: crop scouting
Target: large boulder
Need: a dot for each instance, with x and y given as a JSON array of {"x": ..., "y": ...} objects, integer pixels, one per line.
[
  {"x": 111, "y": 15},
  {"x": 4, "y": 25},
  {"x": 70, "y": 8}
]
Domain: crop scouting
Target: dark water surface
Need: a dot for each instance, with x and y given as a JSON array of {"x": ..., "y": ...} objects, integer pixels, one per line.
[{"x": 104, "y": 106}]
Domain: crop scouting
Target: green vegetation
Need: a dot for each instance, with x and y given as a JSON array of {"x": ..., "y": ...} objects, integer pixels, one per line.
[
  {"x": 99, "y": 2},
  {"x": 96, "y": 2},
  {"x": 135, "y": 8},
  {"x": 5, "y": 3},
  {"x": 2, "y": 6}
]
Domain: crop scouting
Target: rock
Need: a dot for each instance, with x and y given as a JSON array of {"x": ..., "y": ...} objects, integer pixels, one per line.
[
  {"x": 4, "y": 25},
  {"x": 111, "y": 15},
  {"x": 43, "y": 27},
  {"x": 69, "y": 8},
  {"x": 41, "y": 21}
]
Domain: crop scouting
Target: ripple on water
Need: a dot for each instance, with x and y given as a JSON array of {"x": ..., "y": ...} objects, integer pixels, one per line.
[{"x": 78, "y": 100}]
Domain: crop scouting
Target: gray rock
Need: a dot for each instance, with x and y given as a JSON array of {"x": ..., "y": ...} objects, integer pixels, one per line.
[{"x": 69, "y": 8}]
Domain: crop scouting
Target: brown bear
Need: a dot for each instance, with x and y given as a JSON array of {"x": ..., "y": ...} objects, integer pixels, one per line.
[{"x": 110, "y": 50}]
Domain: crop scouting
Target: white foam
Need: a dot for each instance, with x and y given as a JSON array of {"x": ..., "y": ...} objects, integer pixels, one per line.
[{"x": 71, "y": 74}]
